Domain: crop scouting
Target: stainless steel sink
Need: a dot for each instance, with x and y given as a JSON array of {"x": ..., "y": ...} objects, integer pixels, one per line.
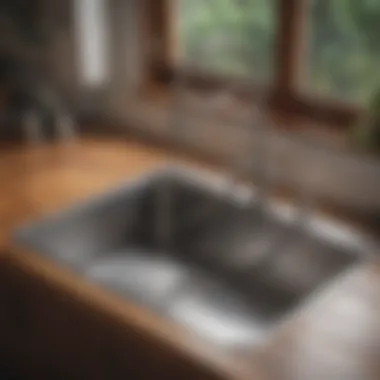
[{"x": 212, "y": 261}]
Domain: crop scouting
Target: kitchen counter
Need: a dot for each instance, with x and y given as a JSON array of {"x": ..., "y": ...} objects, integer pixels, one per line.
[{"x": 336, "y": 337}]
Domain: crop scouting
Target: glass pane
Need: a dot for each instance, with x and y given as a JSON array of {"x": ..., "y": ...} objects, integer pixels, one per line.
[
  {"x": 344, "y": 48},
  {"x": 234, "y": 37}
]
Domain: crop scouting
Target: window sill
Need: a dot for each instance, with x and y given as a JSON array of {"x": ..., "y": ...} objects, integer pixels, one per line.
[
  {"x": 227, "y": 110},
  {"x": 325, "y": 111}
]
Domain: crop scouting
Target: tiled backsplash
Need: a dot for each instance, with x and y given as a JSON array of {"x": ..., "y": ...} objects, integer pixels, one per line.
[{"x": 329, "y": 171}]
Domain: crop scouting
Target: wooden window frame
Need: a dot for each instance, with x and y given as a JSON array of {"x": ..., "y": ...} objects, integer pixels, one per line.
[{"x": 284, "y": 94}]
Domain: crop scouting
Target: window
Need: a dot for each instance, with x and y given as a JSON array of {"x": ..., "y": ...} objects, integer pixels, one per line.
[
  {"x": 297, "y": 48},
  {"x": 232, "y": 37},
  {"x": 344, "y": 49},
  {"x": 91, "y": 41}
]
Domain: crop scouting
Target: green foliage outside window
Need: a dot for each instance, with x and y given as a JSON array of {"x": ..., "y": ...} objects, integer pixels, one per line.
[
  {"x": 344, "y": 48},
  {"x": 229, "y": 36},
  {"x": 238, "y": 37}
]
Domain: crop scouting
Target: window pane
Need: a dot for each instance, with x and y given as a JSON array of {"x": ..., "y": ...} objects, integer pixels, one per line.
[
  {"x": 344, "y": 48},
  {"x": 233, "y": 37}
]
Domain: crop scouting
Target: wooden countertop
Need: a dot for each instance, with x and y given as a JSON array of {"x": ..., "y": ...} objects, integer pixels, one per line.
[{"x": 336, "y": 338}]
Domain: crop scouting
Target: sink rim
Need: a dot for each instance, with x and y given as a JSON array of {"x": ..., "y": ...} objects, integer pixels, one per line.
[{"x": 320, "y": 224}]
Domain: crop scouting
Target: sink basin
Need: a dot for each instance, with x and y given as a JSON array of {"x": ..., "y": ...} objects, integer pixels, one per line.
[{"x": 210, "y": 260}]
